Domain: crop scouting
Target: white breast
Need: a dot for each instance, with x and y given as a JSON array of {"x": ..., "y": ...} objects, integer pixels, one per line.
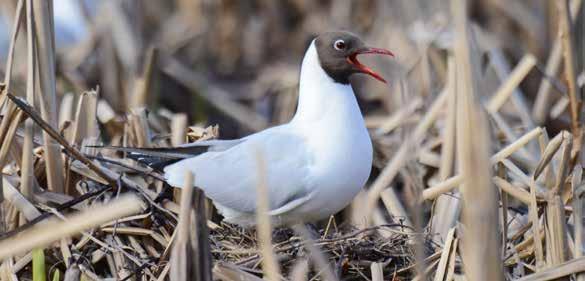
[{"x": 329, "y": 117}]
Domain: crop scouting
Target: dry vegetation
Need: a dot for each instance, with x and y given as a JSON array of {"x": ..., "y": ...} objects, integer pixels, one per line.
[{"x": 478, "y": 172}]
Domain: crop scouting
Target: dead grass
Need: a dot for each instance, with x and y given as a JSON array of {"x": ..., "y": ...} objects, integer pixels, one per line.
[{"x": 478, "y": 171}]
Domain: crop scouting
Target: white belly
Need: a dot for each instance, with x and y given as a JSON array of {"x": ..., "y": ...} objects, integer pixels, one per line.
[
  {"x": 342, "y": 176},
  {"x": 336, "y": 179}
]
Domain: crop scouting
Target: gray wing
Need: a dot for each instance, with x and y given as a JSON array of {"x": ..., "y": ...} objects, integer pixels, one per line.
[{"x": 230, "y": 177}]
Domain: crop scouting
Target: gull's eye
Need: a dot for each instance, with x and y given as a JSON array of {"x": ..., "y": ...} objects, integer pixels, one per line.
[{"x": 339, "y": 45}]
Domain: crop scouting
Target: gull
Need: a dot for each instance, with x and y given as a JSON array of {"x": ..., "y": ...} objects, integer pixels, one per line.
[{"x": 314, "y": 165}]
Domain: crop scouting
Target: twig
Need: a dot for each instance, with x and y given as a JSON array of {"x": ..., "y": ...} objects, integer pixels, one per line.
[
  {"x": 54, "y": 231},
  {"x": 575, "y": 103},
  {"x": 30, "y": 112}
]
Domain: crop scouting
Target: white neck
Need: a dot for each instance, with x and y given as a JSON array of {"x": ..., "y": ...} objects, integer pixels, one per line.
[{"x": 320, "y": 97}]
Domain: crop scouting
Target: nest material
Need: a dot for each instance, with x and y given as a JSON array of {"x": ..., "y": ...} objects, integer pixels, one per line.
[{"x": 351, "y": 250}]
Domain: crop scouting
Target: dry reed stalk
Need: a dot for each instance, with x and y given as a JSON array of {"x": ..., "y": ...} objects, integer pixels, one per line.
[
  {"x": 441, "y": 188},
  {"x": 48, "y": 97},
  {"x": 401, "y": 156},
  {"x": 9, "y": 137},
  {"x": 517, "y": 173},
  {"x": 502, "y": 70},
  {"x": 20, "y": 202},
  {"x": 395, "y": 208},
  {"x": 200, "y": 247},
  {"x": 270, "y": 265},
  {"x": 72, "y": 273},
  {"x": 230, "y": 272},
  {"x": 22, "y": 262},
  {"x": 480, "y": 241},
  {"x": 562, "y": 270},
  {"x": 386, "y": 177},
  {"x": 542, "y": 103},
  {"x": 357, "y": 215},
  {"x": 9, "y": 61},
  {"x": 139, "y": 127},
  {"x": 178, "y": 129},
  {"x": 528, "y": 242},
  {"x": 446, "y": 208},
  {"x": 516, "y": 145},
  {"x": 378, "y": 218},
  {"x": 142, "y": 84},
  {"x": 66, "y": 115},
  {"x": 27, "y": 172},
  {"x": 563, "y": 164},
  {"x": 428, "y": 270},
  {"x": 162, "y": 276},
  {"x": 86, "y": 129},
  {"x": 112, "y": 244},
  {"x": 65, "y": 251},
  {"x": 533, "y": 215},
  {"x": 429, "y": 158},
  {"x": 576, "y": 181},
  {"x": 430, "y": 117},
  {"x": 85, "y": 118},
  {"x": 414, "y": 186},
  {"x": 444, "y": 266},
  {"x": 559, "y": 107},
  {"x": 377, "y": 271},
  {"x": 548, "y": 152},
  {"x": 516, "y": 192},
  {"x": 317, "y": 256},
  {"x": 448, "y": 134},
  {"x": 504, "y": 205},
  {"x": 300, "y": 271},
  {"x": 7, "y": 118},
  {"x": 56, "y": 136},
  {"x": 575, "y": 105},
  {"x": 507, "y": 88},
  {"x": 180, "y": 257},
  {"x": 7, "y": 271},
  {"x": 87, "y": 274},
  {"x": 555, "y": 231},
  {"x": 398, "y": 117},
  {"x": 504, "y": 126},
  {"x": 53, "y": 231},
  {"x": 122, "y": 268},
  {"x": 521, "y": 154},
  {"x": 555, "y": 216}
]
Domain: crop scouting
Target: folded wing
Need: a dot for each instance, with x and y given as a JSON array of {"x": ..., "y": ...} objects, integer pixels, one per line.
[{"x": 230, "y": 177}]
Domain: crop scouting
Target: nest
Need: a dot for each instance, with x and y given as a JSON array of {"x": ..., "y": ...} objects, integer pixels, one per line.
[{"x": 351, "y": 250}]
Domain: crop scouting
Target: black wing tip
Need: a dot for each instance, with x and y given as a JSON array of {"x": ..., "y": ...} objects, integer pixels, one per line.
[{"x": 155, "y": 158}]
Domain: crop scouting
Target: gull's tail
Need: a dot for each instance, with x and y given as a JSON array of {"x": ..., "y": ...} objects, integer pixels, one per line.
[{"x": 158, "y": 158}]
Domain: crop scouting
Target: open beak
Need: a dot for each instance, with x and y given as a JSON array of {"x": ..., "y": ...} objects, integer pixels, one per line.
[{"x": 352, "y": 59}]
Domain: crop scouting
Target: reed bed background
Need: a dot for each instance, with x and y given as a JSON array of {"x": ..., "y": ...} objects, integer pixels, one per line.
[{"x": 478, "y": 137}]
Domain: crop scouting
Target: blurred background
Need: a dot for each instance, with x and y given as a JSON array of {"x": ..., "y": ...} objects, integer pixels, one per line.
[{"x": 250, "y": 51}]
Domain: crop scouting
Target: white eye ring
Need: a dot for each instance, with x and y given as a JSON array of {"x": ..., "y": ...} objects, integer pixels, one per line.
[{"x": 339, "y": 45}]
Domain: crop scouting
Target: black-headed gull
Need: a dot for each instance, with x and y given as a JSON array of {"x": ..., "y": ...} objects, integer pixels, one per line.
[{"x": 315, "y": 164}]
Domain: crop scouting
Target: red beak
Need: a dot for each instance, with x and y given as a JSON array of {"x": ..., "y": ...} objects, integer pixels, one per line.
[{"x": 352, "y": 59}]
